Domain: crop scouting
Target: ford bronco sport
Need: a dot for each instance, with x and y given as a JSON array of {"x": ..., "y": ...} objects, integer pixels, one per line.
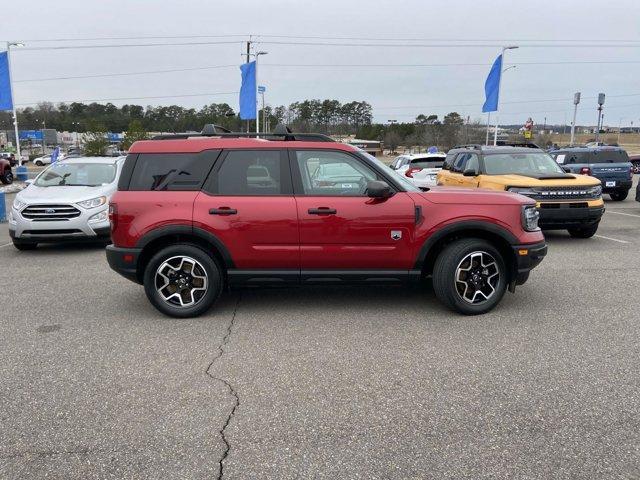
[
  {"x": 196, "y": 213},
  {"x": 564, "y": 200}
]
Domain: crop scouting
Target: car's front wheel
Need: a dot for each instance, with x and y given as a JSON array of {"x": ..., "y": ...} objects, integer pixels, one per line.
[
  {"x": 39, "y": 163},
  {"x": 470, "y": 276},
  {"x": 7, "y": 178},
  {"x": 619, "y": 196},
  {"x": 584, "y": 232},
  {"x": 182, "y": 281}
]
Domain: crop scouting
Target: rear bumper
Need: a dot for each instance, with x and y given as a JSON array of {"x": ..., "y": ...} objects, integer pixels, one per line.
[
  {"x": 124, "y": 261},
  {"x": 620, "y": 185},
  {"x": 567, "y": 217},
  {"x": 528, "y": 257}
]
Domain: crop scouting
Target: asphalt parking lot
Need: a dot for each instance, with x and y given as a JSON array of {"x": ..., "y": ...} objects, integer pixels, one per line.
[{"x": 348, "y": 382}]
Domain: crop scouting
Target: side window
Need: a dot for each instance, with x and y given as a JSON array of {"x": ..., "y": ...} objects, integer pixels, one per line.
[
  {"x": 396, "y": 163},
  {"x": 251, "y": 172},
  {"x": 172, "y": 171},
  {"x": 326, "y": 172},
  {"x": 472, "y": 163},
  {"x": 448, "y": 162},
  {"x": 458, "y": 164}
]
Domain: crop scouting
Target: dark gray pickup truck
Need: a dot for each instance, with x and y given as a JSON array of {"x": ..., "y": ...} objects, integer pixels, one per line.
[{"x": 610, "y": 165}]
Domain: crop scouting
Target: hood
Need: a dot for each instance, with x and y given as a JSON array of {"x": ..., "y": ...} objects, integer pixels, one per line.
[
  {"x": 474, "y": 196},
  {"x": 544, "y": 180},
  {"x": 33, "y": 194}
]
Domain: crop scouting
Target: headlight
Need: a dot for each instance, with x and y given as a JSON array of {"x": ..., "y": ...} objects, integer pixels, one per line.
[
  {"x": 530, "y": 218},
  {"x": 99, "y": 217},
  {"x": 18, "y": 205},
  {"x": 530, "y": 192},
  {"x": 596, "y": 191},
  {"x": 93, "y": 203}
]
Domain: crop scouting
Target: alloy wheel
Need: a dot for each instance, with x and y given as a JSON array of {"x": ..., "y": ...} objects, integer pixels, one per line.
[
  {"x": 181, "y": 281},
  {"x": 477, "y": 277}
]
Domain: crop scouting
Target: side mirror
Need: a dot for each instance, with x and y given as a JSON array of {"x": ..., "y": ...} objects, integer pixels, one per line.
[
  {"x": 28, "y": 181},
  {"x": 378, "y": 189},
  {"x": 470, "y": 172},
  {"x": 566, "y": 169}
]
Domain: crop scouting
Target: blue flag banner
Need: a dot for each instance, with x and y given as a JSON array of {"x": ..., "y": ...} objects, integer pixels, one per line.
[
  {"x": 492, "y": 87},
  {"x": 6, "y": 102},
  {"x": 248, "y": 91}
]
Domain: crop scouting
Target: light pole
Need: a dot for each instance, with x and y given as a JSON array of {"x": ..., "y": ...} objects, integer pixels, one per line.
[
  {"x": 13, "y": 98},
  {"x": 600, "y": 115},
  {"x": 495, "y": 134},
  {"x": 576, "y": 101},
  {"x": 619, "y": 129},
  {"x": 257, "y": 102},
  {"x": 486, "y": 141}
]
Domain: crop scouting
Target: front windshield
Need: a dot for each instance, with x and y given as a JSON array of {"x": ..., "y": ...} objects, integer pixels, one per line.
[
  {"x": 520, "y": 164},
  {"x": 406, "y": 184},
  {"x": 77, "y": 175}
]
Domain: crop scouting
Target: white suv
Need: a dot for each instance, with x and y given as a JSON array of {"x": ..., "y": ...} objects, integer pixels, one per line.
[
  {"x": 69, "y": 200},
  {"x": 421, "y": 168}
]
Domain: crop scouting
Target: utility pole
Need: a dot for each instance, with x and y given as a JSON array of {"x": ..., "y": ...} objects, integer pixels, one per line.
[
  {"x": 13, "y": 99},
  {"x": 576, "y": 101}
]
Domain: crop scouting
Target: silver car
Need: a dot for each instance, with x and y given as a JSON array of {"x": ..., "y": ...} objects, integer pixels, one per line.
[{"x": 69, "y": 200}]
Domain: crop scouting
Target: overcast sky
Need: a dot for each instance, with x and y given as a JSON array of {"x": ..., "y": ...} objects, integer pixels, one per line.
[{"x": 396, "y": 92}]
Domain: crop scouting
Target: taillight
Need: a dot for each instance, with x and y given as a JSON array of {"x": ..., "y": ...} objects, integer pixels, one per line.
[
  {"x": 585, "y": 171},
  {"x": 631, "y": 171},
  {"x": 409, "y": 173},
  {"x": 113, "y": 216}
]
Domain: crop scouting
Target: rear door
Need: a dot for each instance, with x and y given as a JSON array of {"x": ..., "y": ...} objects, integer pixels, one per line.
[
  {"x": 341, "y": 228},
  {"x": 247, "y": 203}
]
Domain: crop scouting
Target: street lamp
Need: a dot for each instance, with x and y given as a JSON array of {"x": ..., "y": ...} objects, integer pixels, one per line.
[
  {"x": 13, "y": 98},
  {"x": 257, "y": 54},
  {"x": 495, "y": 134}
]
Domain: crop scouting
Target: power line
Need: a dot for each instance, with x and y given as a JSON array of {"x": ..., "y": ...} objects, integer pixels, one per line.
[
  {"x": 125, "y": 45},
  {"x": 444, "y": 45},
  {"x": 124, "y": 74},
  {"x": 162, "y": 37},
  {"x": 133, "y": 98}
]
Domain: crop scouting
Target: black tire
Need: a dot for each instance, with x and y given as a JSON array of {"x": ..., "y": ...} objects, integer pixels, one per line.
[
  {"x": 7, "y": 178},
  {"x": 619, "y": 195},
  {"x": 584, "y": 232},
  {"x": 448, "y": 290},
  {"x": 39, "y": 163},
  {"x": 25, "y": 245},
  {"x": 211, "y": 270}
]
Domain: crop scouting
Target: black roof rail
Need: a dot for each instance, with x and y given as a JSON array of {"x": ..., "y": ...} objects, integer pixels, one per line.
[
  {"x": 280, "y": 133},
  {"x": 475, "y": 146},
  {"x": 501, "y": 143}
]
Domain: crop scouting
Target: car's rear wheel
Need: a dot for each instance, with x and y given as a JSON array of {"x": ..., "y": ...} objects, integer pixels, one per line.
[
  {"x": 619, "y": 196},
  {"x": 39, "y": 163},
  {"x": 584, "y": 232},
  {"x": 25, "y": 245},
  {"x": 182, "y": 281},
  {"x": 7, "y": 178},
  {"x": 470, "y": 276}
]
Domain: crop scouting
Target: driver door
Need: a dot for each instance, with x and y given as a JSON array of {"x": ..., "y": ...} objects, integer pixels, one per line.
[{"x": 341, "y": 228}]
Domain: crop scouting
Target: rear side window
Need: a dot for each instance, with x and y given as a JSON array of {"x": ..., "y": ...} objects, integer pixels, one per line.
[
  {"x": 252, "y": 173},
  {"x": 174, "y": 171},
  {"x": 433, "y": 162},
  {"x": 609, "y": 156},
  {"x": 448, "y": 162}
]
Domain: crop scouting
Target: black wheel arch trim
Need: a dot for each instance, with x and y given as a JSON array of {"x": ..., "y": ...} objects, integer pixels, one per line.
[
  {"x": 458, "y": 227},
  {"x": 191, "y": 231}
]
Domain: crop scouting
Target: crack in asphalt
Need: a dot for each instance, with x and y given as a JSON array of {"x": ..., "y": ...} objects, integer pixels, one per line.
[{"x": 232, "y": 391}]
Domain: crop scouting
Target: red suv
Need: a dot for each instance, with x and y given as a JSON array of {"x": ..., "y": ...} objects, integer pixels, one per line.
[{"x": 197, "y": 213}]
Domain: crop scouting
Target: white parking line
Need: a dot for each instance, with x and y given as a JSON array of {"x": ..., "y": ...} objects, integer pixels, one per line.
[
  {"x": 627, "y": 214},
  {"x": 612, "y": 239},
  {"x": 6, "y": 244}
]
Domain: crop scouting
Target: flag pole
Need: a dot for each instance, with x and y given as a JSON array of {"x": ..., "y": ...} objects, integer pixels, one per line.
[
  {"x": 486, "y": 141},
  {"x": 13, "y": 102},
  {"x": 504, "y": 49}
]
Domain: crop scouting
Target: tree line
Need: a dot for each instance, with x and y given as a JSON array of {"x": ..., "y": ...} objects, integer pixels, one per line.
[{"x": 322, "y": 116}]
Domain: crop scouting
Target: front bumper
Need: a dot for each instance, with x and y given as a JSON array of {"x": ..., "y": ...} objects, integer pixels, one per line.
[
  {"x": 528, "y": 257},
  {"x": 568, "y": 215},
  {"x": 69, "y": 230},
  {"x": 124, "y": 261}
]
